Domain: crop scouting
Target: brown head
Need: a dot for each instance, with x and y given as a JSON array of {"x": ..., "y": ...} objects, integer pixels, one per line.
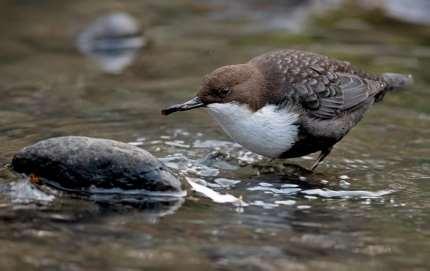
[{"x": 243, "y": 84}]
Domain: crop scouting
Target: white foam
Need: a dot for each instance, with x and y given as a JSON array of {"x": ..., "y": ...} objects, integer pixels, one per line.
[
  {"x": 213, "y": 195},
  {"x": 23, "y": 191},
  {"x": 326, "y": 193}
]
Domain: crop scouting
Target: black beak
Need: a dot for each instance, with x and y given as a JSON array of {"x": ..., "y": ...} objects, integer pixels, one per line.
[{"x": 191, "y": 104}]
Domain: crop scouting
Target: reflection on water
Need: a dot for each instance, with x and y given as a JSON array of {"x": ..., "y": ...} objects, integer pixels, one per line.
[
  {"x": 366, "y": 208},
  {"x": 23, "y": 193}
]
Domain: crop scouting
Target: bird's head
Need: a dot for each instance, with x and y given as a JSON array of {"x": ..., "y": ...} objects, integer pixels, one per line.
[{"x": 241, "y": 84}]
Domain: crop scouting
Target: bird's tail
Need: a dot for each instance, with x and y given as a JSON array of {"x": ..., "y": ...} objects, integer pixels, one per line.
[{"x": 397, "y": 80}]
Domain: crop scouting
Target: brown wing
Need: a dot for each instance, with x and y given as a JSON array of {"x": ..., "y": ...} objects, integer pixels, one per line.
[
  {"x": 331, "y": 94},
  {"x": 324, "y": 87}
]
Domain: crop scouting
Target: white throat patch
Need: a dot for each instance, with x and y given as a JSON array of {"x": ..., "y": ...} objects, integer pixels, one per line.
[{"x": 268, "y": 131}]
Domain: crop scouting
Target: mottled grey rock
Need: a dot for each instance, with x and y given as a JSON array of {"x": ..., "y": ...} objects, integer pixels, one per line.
[{"x": 87, "y": 164}]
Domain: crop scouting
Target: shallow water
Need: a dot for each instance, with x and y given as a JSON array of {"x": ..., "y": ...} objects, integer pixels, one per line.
[{"x": 366, "y": 208}]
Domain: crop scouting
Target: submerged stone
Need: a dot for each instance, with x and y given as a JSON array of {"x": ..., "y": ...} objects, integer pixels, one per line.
[
  {"x": 113, "y": 41},
  {"x": 95, "y": 165}
]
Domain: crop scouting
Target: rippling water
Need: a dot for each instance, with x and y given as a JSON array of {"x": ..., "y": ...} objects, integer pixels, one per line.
[{"x": 366, "y": 208}]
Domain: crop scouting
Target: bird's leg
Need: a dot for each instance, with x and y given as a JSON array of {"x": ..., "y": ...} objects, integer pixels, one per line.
[{"x": 323, "y": 154}]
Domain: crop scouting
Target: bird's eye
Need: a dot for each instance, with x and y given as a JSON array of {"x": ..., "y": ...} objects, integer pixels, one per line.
[{"x": 223, "y": 92}]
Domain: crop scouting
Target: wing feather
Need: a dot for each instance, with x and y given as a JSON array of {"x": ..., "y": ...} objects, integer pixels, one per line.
[
  {"x": 341, "y": 93},
  {"x": 324, "y": 88}
]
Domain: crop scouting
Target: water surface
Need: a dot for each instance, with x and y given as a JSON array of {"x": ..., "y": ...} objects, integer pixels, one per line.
[{"x": 366, "y": 207}]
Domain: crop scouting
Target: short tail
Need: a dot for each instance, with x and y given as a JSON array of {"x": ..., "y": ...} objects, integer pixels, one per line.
[{"x": 397, "y": 80}]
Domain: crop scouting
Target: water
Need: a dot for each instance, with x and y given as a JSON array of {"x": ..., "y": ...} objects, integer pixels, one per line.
[{"x": 366, "y": 208}]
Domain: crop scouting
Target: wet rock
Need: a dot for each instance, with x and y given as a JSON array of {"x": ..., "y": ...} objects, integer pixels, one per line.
[{"x": 96, "y": 166}]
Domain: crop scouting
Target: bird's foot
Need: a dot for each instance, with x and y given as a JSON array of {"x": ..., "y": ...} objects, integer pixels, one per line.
[{"x": 34, "y": 179}]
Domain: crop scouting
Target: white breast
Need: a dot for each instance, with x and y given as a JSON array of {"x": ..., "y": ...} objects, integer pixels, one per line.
[{"x": 268, "y": 131}]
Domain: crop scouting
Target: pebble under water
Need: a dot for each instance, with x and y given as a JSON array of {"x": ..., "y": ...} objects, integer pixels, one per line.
[{"x": 365, "y": 208}]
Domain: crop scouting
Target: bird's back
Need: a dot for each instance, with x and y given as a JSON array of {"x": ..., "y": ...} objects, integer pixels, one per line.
[
  {"x": 331, "y": 95},
  {"x": 323, "y": 88}
]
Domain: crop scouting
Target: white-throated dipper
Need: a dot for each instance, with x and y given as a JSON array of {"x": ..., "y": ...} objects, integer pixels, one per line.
[{"x": 290, "y": 103}]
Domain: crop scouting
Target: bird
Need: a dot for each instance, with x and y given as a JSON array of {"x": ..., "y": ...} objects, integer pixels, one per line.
[{"x": 290, "y": 103}]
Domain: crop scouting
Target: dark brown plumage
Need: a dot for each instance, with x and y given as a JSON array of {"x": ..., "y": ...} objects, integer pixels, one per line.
[{"x": 328, "y": 96}]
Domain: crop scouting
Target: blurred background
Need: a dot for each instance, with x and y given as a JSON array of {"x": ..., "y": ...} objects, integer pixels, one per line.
[{"x": 106, "y": 68}]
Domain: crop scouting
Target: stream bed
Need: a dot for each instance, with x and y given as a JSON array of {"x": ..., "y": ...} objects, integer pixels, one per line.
[{"x": 367, "y": 207}]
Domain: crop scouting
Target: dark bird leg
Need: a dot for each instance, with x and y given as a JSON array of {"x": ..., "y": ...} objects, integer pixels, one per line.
[{"x": 323, "y": 154}]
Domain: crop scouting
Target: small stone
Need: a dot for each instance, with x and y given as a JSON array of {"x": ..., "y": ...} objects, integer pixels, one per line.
[
  {"x": 285, "y": 202},
  {"x": 226, "y": 183},
  {"x": 344, "y": 184},
  {"x": 83, "y": 164},
  {"x": 112, "y": 41},
  {"x": 289, "y": 185}
]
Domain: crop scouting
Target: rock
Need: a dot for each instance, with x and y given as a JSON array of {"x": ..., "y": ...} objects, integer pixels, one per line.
[
  {"x": 86, "y": 164},
  {"x": 113, "y": 41}
]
